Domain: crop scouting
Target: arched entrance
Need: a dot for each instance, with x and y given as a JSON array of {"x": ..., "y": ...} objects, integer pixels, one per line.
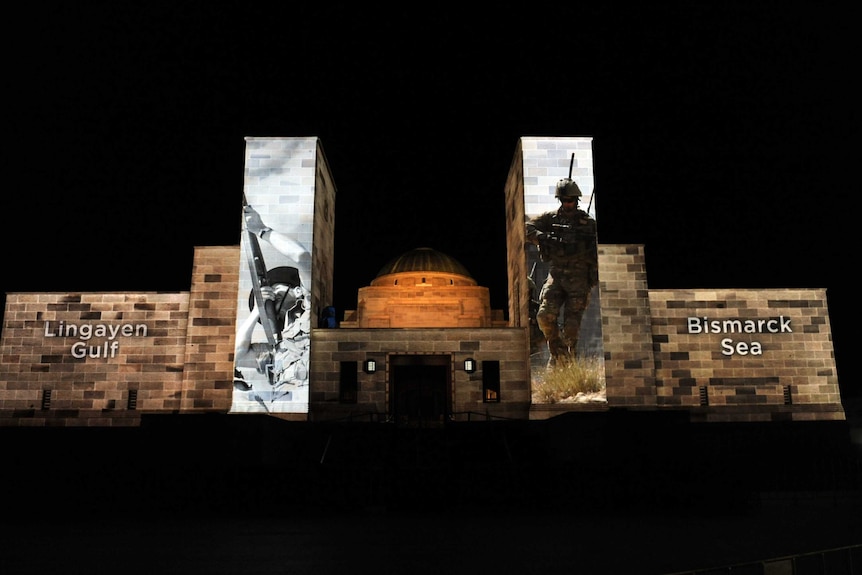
[{"x": 420, "y": 389}]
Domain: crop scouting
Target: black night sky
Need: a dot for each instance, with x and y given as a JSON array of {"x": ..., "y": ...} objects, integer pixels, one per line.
[{"x": 721, "y": 136}]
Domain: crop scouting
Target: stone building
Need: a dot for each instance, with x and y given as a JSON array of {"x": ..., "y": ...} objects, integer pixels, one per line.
[{"x": 423, "y": 346}]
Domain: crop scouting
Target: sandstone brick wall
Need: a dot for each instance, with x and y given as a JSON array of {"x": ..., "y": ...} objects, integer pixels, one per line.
[
  {"x": 782, "y": 370},
  {"x": 323, "y": 243},
  {"x": 209, "y": 352},
  {"x": 627, "y": 338},
  {"x": 645, "y": 366},
  {"x": 184, "y": 363},
  {"x": 517, "y": 272},
  {"x": 39, "y": 356},
  {"x": 330, "y": 347}
]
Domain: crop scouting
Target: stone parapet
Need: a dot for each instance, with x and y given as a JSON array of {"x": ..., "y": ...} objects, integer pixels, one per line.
[
  {"x": 91, "y": 358},
  {"x": 745, "y": 354}
]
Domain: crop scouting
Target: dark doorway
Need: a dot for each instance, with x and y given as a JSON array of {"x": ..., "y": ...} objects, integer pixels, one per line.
[{"x": 419, "y": 389}]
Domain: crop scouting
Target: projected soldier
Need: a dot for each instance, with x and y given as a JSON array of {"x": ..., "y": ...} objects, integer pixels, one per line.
[
  {"x": 291, "y": 249},
  {"x": 567, "y": 242},
  {"x": 280, "y": 302}
]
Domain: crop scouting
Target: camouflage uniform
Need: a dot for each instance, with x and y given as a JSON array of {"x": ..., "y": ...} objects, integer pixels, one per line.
[{"x": 568, "y": 244}]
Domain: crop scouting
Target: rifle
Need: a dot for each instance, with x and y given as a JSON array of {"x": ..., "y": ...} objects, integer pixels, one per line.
[
  {"x": 592, "y": 194},
  {"x": 259, "y": 278}
]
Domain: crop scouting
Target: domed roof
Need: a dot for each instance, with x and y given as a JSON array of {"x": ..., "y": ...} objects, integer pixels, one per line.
[{"x": 424, "y": 260}]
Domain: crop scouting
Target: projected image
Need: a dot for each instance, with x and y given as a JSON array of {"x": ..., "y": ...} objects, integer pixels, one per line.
[
  {"x": 565, "y": 318},
  {"x": 272, "y": 340}
]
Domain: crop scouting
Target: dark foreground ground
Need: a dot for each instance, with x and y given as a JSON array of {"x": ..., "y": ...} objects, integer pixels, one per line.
[{"x": 593, "y": 493}]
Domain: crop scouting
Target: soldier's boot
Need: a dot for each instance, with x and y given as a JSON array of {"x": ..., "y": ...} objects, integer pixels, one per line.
[
  {"x": 559, "y": 352},
  {"x": 571, "y": 348}
]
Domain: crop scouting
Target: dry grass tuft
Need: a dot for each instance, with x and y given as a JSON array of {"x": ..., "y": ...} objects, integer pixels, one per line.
[{"x": 564, "y": 382}]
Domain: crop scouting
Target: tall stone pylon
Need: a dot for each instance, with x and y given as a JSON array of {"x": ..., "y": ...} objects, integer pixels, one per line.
[
  {"x": 286, "y": 271},
  {"x": 539, "y": 163}
]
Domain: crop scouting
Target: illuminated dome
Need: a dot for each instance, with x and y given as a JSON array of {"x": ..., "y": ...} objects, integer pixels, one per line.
[
  {"x": 423, "y": 288},
  {"x": 424, "y": 260}
]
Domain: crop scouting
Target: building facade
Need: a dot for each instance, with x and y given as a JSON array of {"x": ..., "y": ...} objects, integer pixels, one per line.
[{"x": 423, "y": 346}]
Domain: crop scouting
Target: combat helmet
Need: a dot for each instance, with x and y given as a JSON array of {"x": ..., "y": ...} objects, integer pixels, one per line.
[{"x": 566, "y": 188}]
